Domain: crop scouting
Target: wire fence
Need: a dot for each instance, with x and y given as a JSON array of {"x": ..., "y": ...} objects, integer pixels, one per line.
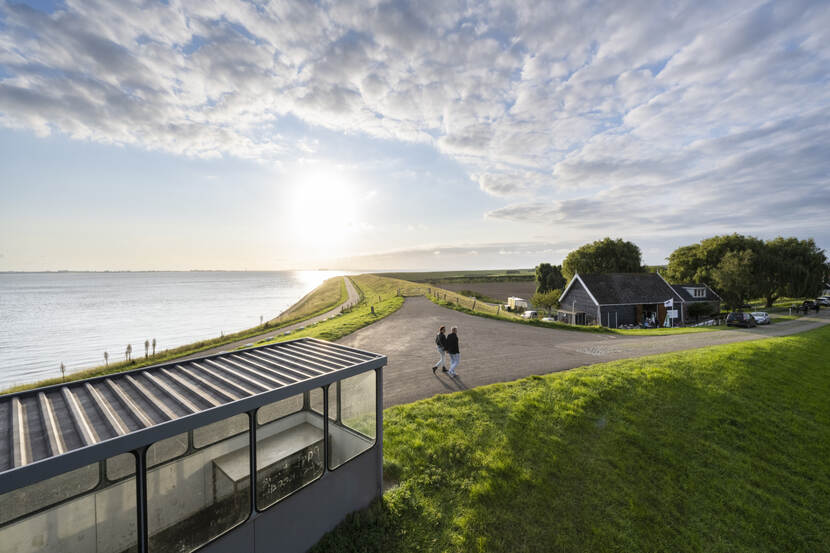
[{"x": 453, "y": 298}]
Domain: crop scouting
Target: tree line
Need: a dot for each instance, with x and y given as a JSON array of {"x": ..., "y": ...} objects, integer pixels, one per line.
[{"x": 737, "y": 267}]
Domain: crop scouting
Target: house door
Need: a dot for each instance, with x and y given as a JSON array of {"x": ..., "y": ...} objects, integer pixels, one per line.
[
  {"x": 639, "y": 314},
  {"x": 661, "y": 314}
]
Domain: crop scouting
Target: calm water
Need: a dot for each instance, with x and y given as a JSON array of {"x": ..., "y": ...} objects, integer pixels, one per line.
[{"x": 49, "y": 318}]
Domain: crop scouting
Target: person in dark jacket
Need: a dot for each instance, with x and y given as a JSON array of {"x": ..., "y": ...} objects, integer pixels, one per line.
[
  {"x": 454, "y": 351},
  {"x": 441, "y": 344}
]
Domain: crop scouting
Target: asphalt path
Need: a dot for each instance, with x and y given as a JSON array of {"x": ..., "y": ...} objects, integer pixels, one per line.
[
  {"x": 500, "y": 351},
  {"x": 353, "y": 298}
]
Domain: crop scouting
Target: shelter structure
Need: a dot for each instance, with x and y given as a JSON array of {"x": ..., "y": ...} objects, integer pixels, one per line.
[
  {"x": 616, "y": 299},
  {"x": 261, "y": 449}
]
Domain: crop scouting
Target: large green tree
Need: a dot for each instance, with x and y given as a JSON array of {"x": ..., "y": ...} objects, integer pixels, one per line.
[
  {"x": 735, "y": 278},
  {"x": 549, "y": 277},
  {"x": 779, "y": 267},
  {"x": 697, "y": 262},
  {"x": 603, "y": 256}
]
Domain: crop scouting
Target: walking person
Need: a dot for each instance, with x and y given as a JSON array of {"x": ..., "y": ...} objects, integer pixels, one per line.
[
  {"x": 453, "y": 350},
  {"x": 441, "y": 344}
]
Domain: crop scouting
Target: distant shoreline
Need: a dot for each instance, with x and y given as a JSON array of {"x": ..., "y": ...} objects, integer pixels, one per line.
[{"x": 61, "y": 271}]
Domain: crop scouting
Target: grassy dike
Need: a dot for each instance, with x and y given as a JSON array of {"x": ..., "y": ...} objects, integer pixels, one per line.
[
  {"x": 378, "y": 293},
  {"x": 720, "y": 449},
  {"x": 325, "y": 297}
]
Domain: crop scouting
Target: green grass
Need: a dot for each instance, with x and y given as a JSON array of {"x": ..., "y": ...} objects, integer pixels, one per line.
[
  {"x": 377, "y": 293},
  {"x": 323, "y": 298},
  {"x": 722, "y": 449}
]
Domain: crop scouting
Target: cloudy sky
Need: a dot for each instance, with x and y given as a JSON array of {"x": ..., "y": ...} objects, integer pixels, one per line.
[{"x": 240, "y": 135}]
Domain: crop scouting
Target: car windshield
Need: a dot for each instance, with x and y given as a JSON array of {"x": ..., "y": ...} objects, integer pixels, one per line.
[{"x": 759, "y": 314}]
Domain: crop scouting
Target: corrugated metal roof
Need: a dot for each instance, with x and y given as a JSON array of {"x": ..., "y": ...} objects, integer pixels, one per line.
[{"x": 53, "y": 421}]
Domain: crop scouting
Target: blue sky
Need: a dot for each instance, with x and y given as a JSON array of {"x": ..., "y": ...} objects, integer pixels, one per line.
[{"x": 371, "y": 135}]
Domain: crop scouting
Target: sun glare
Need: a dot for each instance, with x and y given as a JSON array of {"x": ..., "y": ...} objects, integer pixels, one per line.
[{"x": 325, "y": 212}]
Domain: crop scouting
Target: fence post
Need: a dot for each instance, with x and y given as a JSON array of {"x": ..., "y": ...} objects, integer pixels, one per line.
[{"x": 474, "y": 305}]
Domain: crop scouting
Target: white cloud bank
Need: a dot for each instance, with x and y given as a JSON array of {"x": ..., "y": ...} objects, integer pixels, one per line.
[{"x": 586, "y": 115}]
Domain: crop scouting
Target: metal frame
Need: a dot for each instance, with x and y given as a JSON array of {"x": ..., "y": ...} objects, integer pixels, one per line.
[
  {"x": 32, "y": 472},
  {"x": 137, "y": 442}
]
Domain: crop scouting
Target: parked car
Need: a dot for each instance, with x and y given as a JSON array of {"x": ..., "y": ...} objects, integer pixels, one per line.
[
  {"x": 548, "y": 319},
  {"x": 761, "y": 317},
  {"x": 809, "y": 304},
  {"x": 739, "y": 318},
  {"x": 824, "y": 300},
  {"x": 530, "y": 315}
]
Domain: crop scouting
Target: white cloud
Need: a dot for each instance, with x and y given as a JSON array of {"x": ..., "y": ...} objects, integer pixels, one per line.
[{"x": 577, "y": 108}]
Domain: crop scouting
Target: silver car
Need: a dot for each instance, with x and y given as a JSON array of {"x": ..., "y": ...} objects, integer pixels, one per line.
[{"x": 761, "y": 317}]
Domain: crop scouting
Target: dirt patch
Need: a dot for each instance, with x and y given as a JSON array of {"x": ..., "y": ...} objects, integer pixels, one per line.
[{"x": 496, "y": 290}]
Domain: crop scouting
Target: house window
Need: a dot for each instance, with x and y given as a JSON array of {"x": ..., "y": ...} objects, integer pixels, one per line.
[{"x": 699, "y": 292}]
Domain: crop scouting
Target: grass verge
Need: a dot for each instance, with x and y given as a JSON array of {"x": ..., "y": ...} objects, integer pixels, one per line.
[
  {"x": 323, "y": 298},
  {"x": 380, "y": 299},
  {"x": 720, "y": 449}
]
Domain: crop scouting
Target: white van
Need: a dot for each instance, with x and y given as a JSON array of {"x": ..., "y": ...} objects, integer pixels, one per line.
[{"x": 530, "y": 315}]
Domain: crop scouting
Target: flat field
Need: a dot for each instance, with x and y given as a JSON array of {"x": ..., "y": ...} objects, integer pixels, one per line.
[{"x": 496, "y": 290}]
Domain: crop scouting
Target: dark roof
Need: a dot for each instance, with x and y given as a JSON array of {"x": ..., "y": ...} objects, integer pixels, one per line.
[
  {"x": 681, "y": 290},
  {"x": 621, "y": 288},
  {"x": 62, "y": 421}
]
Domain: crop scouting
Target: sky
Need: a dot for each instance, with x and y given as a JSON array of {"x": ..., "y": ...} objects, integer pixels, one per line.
[{"x": 197, "y": 134}]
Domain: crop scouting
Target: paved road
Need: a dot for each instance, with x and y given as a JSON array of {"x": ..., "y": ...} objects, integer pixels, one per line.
[
  {"x": 352, "y": 300},
  {"x": 497, "y": 351}
]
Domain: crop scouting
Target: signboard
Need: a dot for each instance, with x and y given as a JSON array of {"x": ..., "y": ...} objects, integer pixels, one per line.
[
  {"x": 672, "y": 313},
  {"x": 669, "y": 303}
]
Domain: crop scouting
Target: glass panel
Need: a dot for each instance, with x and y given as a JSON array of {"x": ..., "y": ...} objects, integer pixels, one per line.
[
  {"x": 120, "y": 466},
  {"x": 219, "y": 430},
  {"x": 41, "y": 494},
  {"x": 315, "y": 397},
  {"x": 167, "y": 449},
  {"x": 279, "y": 409},
  {"x": 200, "y": 496},
  {"x": 289, "y": 453},
  {"x": 333, "y": 401},
  {"x": 100, "y": 521},
  {"x": 355, "y": 432}
]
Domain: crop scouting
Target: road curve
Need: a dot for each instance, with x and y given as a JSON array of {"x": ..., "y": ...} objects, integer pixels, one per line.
[
  {"x": 353, "y": 299},
  {"x": 499, "y": 351}
]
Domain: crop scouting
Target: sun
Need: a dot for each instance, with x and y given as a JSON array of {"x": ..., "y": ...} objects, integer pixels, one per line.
[{"x": 324, "y": 211}]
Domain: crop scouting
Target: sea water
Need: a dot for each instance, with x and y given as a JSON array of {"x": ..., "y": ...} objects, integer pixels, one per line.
[{"x": 72, "y": 318}]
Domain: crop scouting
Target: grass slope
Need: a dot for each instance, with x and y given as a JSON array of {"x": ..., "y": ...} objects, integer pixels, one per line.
[
  {"x": 721, "y": 449},
  {"x": 377, "y": 293}
]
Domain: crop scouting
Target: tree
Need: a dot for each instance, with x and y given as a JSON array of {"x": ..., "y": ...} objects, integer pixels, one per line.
[
  {"x": 146, "y": 349},
  {"x": 154, "y": 347},
  {"x": 603, "y": 256},
  {"x": 128, "y": 351},
  {"x": 697, "y": 262},
  {"x": 780, "y": 267},
  {"x": 546, "y": 300},
  {"x": 735, "y": 277},
  {"x": 63, "y": 372},
  {"x": 106, "y": 359},
  {"x": 549, "y": 277}
]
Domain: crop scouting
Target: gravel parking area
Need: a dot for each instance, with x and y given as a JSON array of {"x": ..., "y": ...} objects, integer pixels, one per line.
[{"x": 497, "y": 351}]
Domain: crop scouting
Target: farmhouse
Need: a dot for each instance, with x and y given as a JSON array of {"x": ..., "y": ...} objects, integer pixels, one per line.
[{"x": 616, "y": 299}]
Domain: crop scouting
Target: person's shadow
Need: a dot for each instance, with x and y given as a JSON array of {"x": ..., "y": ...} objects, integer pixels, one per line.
[
  {"x": 459, "y": 383},
  {"x": 447, "y": 385}
]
